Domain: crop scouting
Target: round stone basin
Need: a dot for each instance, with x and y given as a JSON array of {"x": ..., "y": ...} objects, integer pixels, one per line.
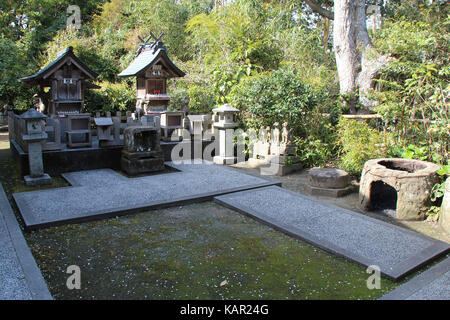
[
  {"x": 406, "y": 165},
  {"x": 402, "y": 185}
]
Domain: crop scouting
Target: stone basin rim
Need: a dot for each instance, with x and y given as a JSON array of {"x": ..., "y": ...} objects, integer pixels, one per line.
[{"x": 378, "y": 169}]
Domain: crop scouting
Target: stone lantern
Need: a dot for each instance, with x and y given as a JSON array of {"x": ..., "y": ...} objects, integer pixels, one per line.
[
  {"x": 34, "y": 136},
  {"x": 225, "y": 122}
]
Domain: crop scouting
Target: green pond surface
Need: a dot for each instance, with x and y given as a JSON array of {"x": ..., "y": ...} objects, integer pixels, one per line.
[{"x": 200, "y": 251}]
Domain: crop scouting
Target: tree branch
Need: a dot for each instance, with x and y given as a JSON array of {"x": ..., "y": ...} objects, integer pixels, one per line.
[{"x": 317, "y": 8}]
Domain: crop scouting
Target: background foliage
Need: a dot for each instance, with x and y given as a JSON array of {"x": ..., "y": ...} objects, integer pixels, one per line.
[{"x": 273, "y": 59}]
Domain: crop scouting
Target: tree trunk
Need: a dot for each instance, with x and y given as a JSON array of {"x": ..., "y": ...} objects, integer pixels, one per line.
[{"x": 357, "y": 62}]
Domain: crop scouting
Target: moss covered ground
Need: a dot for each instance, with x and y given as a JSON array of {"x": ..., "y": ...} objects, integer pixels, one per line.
[{"x": 200, "y": 251}]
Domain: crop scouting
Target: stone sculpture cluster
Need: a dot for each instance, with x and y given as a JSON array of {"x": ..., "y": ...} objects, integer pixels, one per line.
[
  {"x": 268, "y": 142},
  {"x": 274, "y": 147}
]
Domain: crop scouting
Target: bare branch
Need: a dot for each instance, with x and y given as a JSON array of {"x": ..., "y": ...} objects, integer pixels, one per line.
[{"x": 317, "y": 8}]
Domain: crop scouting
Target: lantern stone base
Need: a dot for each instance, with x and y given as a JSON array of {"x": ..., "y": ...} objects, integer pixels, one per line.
[{"x": 43, "y": 180}]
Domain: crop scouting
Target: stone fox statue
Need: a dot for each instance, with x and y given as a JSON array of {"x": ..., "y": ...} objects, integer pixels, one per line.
[
  {"x": 286, "y": 134},
  {"x": 275, "y": 134}
]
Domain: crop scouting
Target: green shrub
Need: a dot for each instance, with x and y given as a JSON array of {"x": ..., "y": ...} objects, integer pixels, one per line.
[
  {"x": 312, "y": 152},
  {"x": 409, "y": 152},
  {"x": 201, "y": 98},
  {"x": 111, "y": 97},
  {"x": 177, "y": 98},
  {"x": 318, "y": 147},
  {"x": 277, "y": 96},
  {"x": 281, "y": 96},
  {"x": 437, "y": 193},
  {"x": 14, "y": 64},
  {"x": 358, "y": 143},
  {"x": 415, "y": 84}
]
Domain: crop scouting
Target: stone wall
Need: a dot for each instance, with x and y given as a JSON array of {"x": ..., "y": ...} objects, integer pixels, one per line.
[{"x": 17, "y": 127}]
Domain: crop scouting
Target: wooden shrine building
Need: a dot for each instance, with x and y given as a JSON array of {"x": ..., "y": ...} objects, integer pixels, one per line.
[
  {"x": 66, "y": 76},
  {"x": 152, "y": 67}
]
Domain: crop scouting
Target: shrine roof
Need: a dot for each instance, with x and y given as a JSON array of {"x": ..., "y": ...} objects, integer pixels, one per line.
[
  {"x": 63, "y": 57},
  {"x": 148, "y": 56}
]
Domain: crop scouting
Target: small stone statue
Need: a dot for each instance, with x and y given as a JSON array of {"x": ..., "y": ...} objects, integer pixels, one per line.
[
  {"x": 252, "y": 136},
  {"x": 276, "y": 134},
  {"x": 129, "y": 140},
  {"x": 44, "y": 100},
  {"x": 286, "y": 134},
  {"x": 185, "y": 105},
  {"x": 262, "y": 135},
  {"x": 36, "y": 103},
  {"x": 138, "y": 113}
]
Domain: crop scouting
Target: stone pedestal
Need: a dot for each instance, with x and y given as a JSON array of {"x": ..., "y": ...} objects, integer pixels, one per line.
[
  {"x": 134, "y": 163},
  {"x": 281, "y": 165},
  {"x": 142, "y": 150},
  {"x": 108, "y": 131},
  {"x": 444, "y": 218},
  {"x": 78, "y": 133},
  {"x": 329, "y": 182},
  {"x": 172, "y": 125},
  {"x": 260, "y": 154}
]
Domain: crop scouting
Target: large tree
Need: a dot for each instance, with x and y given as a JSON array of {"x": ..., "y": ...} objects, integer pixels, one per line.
[{"x": 357, "y": 61}]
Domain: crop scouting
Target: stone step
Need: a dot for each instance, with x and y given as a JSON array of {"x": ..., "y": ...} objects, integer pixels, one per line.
[
  {"x": 104, "y": 193},
  {"x": 365, "y": 240},
  {"x": 433, "y": 284}
]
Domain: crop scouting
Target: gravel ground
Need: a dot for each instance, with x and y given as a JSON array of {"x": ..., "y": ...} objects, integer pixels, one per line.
[{"x": 298, "y": 181}]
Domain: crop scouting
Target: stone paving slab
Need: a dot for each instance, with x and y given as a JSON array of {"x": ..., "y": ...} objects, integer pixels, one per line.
[
  {"x": 20, "y": 277},
  {"x": 433, "y": 284},
  {"x": 105, "y": 193},
  {"x": 365, "y": 240}
]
